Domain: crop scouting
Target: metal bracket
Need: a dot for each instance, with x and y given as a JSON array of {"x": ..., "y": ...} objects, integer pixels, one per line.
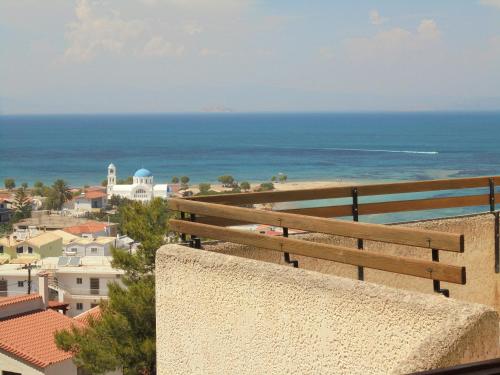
[
  {"x": 497, "y": 242},
  {"x": 355, "y": 217},
  {"x": 286, "y": 255},
  {"x": 194, "y": 241},
  {"x": 492, "y": 194},
  {"x": 436, "y": 283},
  {"x": 497, "y": 224}
]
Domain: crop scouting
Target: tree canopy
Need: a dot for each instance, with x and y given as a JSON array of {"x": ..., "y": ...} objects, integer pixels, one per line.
[
  {"x": 124, "y": 336},
  {"x": 9, "y": 183},
  {"x": 58, "y": 195}
]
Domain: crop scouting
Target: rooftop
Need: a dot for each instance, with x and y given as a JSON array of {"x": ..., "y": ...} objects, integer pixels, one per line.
[
  {"x": 87, "y": 227},
  {"x": 6, "y": 301},
  {"x": 143, "y": 172},
  {"x": 43, "y": 239},
  {"x": 31, "y": 336}
]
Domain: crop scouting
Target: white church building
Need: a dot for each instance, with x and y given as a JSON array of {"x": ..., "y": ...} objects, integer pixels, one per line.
[{"x": 142, "y": 188}]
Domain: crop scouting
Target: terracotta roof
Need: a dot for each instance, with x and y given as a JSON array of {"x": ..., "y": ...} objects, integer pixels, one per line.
[
  {"x": 5, "y": 301},
  {"x": 31, "y": 337},
  {"x": 94, "y": 312},
  {"x": 92, "y": 194},
  {"x": 88, "y": 227}
]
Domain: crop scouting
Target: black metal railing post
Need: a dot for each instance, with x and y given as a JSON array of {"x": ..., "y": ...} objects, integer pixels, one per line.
[
  {"x": 436, "y": 283},
  {"x": 355, "y": 217},
  {"x": 194, "y": 241},
  {"x": 496, "y": 224},
  {"x": 183, "y": 235},
  {"x": 286, "y": 255}
]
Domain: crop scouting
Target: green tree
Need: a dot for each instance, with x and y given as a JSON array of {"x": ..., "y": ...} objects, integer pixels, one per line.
[
  {"x": 184, "y": 182},
  {"x": 104, "y": 182},
  {"x": 38, "y": 188},
  {"x": 127, "y": 181},
  {"x": 226, "y": 180},
  {"x": 24, "y": 185},
  {"x": 58, "y": 195},
  {"x": 124, "y": 336},
  {"x": 175, "y": 180},
  {"x": 273, "y": 179},
  {"x": 283, "y": 178},
  {"x": 266, "y": 186},
  {"x": 245, "y": 185},
  {"x": 9, "y": 183},
  {"x": 22, "y": 205},
  {"x": 204, "y": 188}
]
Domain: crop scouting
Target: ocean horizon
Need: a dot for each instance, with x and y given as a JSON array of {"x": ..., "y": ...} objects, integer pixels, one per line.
[{"x": 251, "y": 146}]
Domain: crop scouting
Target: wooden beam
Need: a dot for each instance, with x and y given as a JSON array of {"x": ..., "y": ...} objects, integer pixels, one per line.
[
  {"x": 406, "y": 266},
  {"x": 346, "y": 191},
  {"x": 375, "y": 232}
]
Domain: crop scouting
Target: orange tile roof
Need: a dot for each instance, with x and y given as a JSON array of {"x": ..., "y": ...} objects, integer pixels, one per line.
[
  {"x": 5, "y": 301},
  {"x": 88, "y": 227},
  {"x": 94, "y": 312},
  {"x": 93, "y": 194},
  {"x": 31, "y": 337}
]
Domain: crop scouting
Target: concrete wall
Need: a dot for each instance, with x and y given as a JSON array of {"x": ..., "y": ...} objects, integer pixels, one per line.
[
  {"x": 482, "y": 282},
  {"x": 219, "y": 314}
]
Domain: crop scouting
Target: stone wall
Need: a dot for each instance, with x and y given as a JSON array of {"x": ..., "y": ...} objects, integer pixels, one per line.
[{"x": 219, "y": 314}]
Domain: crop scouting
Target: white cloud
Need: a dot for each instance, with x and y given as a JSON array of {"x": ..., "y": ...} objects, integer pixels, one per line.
[
  {"x": 158, "y": 46},
  {"x": 393, "y": 43},
  {"x": 93, "y": 33},
  {"x": 205, "y": 52},
  {"x": 192, "y": 28},
  {"x": 376, "y": 19},
  {"x": 493, "y": 3},
  {"x": 428, "y": 29}
]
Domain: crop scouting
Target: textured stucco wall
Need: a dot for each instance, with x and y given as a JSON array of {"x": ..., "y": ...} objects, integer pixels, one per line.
[
  {"x": 219, "y": 314},
  {"x": 479, "y": 259}
]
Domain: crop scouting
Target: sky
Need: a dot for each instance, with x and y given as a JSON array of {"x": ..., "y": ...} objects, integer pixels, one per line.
[{"x": 122, "y": 56}]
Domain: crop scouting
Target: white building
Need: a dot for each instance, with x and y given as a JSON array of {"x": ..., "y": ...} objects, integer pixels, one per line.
[
  {"x": 80, "y": 282},
  {"x": 142, "y": 187},
  {"x": 100, "y": 246}
]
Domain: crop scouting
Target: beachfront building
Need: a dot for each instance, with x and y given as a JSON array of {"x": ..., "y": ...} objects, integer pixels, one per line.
[
  {"x": 93, "y": 199},
  {"x": 142, "y": 188}
]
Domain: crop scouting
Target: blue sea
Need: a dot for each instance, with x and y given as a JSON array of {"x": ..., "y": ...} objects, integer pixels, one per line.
[{"x": 254, "y": 147}]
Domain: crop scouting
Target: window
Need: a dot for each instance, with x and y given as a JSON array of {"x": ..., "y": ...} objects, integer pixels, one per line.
[
  {"x": 79, "y": 306},
  {"x": 30, "y": 250},
  {"x": 20, "y": 284},
  {"x": 11, "y": 373},
  {"x": 93, "y": 250},
  {"x": 1, "y": 249},
  {"x": 74, "y": 249},
  {"x": 79, "y": 280},
  {"x": 94, "y": 286},
  {"x": 19, "y": 250},
  {"x": 118, "y": 276},
  {"x": 3, "y": 288},
  {"x": 92, "y": 305}
]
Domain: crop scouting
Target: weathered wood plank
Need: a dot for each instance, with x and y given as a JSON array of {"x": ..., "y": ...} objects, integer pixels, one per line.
[
  {"x": 369, "y": 259},
  {"x": 346, "y": 191},
  {"x": 374, "y": 232}
]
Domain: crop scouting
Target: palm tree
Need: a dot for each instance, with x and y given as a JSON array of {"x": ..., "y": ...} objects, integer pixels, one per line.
[{"x": 60, "y": 194}]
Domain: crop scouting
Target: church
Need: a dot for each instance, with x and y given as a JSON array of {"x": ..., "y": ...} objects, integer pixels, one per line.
[{"x": 141, "y": 189}]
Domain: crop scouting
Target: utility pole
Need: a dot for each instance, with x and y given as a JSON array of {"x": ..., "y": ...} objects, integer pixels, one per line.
[{"x": 28, "y": 267}]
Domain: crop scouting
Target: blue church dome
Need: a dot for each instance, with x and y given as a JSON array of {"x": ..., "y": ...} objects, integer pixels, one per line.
[{"x": 142, "y": 173}]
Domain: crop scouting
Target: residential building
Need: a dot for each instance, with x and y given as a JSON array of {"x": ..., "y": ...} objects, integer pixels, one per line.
[
  {"x": 91, "y": 200},
  {"x": 100, "y": 246},
  {"x": 80, "y": 282},
  {"x": 93, "y": 229},
  {"x": 67, "y": 237},
  {"x": 43, "y": 245},
  {"x": 142, "y": 188},
  {"x": 27, "y": 346},
  {"x": 43, "y": 220},
  {"x": 14, "y": 280}
]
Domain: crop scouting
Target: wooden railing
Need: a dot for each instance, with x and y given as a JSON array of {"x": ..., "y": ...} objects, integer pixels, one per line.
[
  {"x": 355, "y": 192},
  {"x": 374, "y": 232}
]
